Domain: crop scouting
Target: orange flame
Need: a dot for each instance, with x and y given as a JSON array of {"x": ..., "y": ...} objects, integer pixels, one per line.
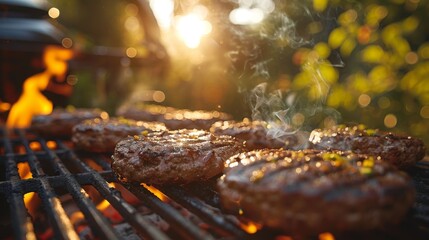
[
  {"x": 156, "y": 192},
  {"x": 32, "y": 101},
  {"x": 250, "y": 227},
  {"x": 283, "y": 238},
  {"x": 104, "y": 203},
  {"x": 326, "y": 236}
]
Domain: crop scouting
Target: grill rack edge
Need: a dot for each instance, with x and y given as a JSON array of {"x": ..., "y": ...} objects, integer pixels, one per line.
[{"x": 13, "y": 189}]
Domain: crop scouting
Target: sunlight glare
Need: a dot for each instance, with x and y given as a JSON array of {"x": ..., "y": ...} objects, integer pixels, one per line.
[
  {"x": 163, "y": 11},
  {"x": 245, "y": 16},
  {"x": 191, "y": 28}
]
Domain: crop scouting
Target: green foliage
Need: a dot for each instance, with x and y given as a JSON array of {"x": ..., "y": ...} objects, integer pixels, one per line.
[{"x": 384, "y": 47}]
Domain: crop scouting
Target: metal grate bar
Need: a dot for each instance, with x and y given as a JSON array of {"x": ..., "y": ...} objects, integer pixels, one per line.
[
  {"x": 62, "y": 226},
  {"x": 207, "y": 213},
  {"x": 23, "y": 227},
  {"x": 180, "y": 224},
  {"x": 200, "y": 199},
  {"x": 127, "y": 211},
  {"x": 100, "y": 224},
  {"x": 100, "y": 161}
]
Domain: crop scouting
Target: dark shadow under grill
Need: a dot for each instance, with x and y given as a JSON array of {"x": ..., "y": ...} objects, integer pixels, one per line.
[{"x": 191, "y": 212}]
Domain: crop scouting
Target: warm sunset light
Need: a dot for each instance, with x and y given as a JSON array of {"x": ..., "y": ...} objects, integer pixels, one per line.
[
  {"x": 245, "y": 16},
  {"x": 251, "y": 12},
  {"x": 163, "y": 11},
  {"x": 191, "y": 28},
  {"x": 54, "y": 12},
  {"x": 32, "y": 101}
]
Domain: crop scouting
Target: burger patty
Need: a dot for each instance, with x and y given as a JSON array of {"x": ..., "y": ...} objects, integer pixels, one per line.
[
  {"x": 308, "y": 192},
  {"x": 173, "y": 118},
  {"x": 97, "y": 135},
  {"x": 256, "y": 134},
  {"x": 197, "y": 119},
  {"x": 401, "y": 151},
  {"x": 172, "y": 157},
  {"x": 144, "y": 112},
  {"x": 60, "y": 123}
]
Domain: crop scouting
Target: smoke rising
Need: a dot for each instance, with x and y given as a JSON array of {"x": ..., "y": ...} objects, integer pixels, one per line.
[{"x": 263, "y": 53}]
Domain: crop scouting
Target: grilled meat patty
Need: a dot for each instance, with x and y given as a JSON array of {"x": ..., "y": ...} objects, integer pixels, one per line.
[
  {"x": 173, "y": 118},
  {"x": 98, "y": 135},
  {"x": 60, "y": 123},
  {"x": 144, "y": 112},
  {"x": 255, "y": 134},
  {"x": 401, "y": 151},
  {"x": 172, "y": 157},
  {"x": 308, "y": 192}
]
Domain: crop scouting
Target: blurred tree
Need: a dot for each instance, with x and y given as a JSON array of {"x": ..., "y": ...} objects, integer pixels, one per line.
[
  {"x": 119, "y": 49},
  {"x": 97, "y": 21},
  {"x": 338, "y": 61},
  {"x": 322, "y": 61}
]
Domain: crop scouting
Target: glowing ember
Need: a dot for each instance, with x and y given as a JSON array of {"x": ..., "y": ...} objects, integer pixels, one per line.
[
  {"x": 250, "y": 227},
  {"x": 32, "y": 101},
  {"x": 109, "y": 211},
  {"x": 30, "y": 199},
  {"x": 51, "y": 144},
  {"x": 326, "y": 236},
  {"x": 156, "y": 192},
  {"x": 76, "y": 218},
  {"x": 30, "y": 234},
  {"x": 283, "y": 238},
  {"x": 35, "y": 146}
]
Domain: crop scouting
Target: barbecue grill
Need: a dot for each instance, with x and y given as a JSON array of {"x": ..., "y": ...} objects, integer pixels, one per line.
[{"x": 58, "y": 171}]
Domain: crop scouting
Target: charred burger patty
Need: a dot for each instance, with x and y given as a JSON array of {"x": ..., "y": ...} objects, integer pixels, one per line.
[
  {"x": 255, "y": 134},
  {"x": 60, "y": 123},
  {"x": 401, "y": 151},
  {"x": 173, "y": 118},
  {"x": 172, "y": 157},
  {"x": 97, "y": 135},
  {"x": 308, "y": 192}
]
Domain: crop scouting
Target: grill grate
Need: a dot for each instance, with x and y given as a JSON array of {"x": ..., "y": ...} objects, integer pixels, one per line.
[{"x": 57, "y": 170}]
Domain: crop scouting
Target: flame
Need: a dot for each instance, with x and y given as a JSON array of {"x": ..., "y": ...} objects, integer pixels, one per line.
[
  {"x": 32, "y": 101},
  {"x": 35, "y": 146},
  {"x": 156, "y": 192},
  {"x": 283, "y": 238},
  {"x": 326, "y": 236},
  {"x": 108, "y": 210},
  {"x": 30, "y": 235},
  {"x": 250, "y": 227},
  {"x": 4, "y": 106},
  {"x": 31, "y": 200},
  {"x": 76, "y": 218},
  {"x": 51, "y": 145},
  {"x": 103, "y": 205}
]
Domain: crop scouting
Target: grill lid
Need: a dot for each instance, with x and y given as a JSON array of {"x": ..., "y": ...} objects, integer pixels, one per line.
[
  {"x": 23, "y": 8},
  {"x": 24, "y": 26}
]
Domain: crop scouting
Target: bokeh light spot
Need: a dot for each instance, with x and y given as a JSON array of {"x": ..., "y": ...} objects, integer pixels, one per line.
[
  {"x": 383, "y": 102},
  {"x": 411, "y": 58},
  {"x": 158, "y": 96},
  {"x": 364, "y": 100},
  {"x": 54, "y": 12},
  {"x": 131, "y": 52},
  {"x": 390, "y": 121},
  {"x": 298, "y": 119},
  {"x": 67, "y": 42},
  {"x": 424, "y": 112}
]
